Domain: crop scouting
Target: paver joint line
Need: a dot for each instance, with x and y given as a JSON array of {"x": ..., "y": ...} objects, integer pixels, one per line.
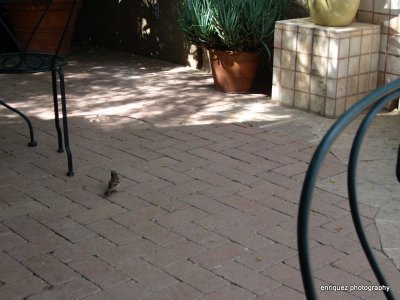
[{"x": 208, "y": 197}]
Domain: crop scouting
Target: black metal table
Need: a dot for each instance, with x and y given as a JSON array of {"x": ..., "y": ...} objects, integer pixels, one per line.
[{"x": 23, "y": 61}]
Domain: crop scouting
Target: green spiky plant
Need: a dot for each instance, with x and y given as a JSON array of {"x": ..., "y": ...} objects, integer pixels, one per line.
[{"x": 235, "y": 25}]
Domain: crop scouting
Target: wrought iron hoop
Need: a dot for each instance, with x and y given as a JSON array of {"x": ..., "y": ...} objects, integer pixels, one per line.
[{"x": 377, "y": 99}]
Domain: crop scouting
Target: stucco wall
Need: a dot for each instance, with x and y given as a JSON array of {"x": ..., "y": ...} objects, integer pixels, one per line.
[{"x": 129, "y": 25}]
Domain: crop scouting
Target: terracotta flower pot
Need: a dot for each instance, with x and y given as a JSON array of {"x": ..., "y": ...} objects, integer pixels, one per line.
[
  {"x": 233, "y": 71},
  {"x": 333, "y": 12},
  {"x": 25, "y": 15}
]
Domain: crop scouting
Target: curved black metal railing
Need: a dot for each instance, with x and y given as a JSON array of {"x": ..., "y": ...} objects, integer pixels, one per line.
[{"x": 376, "y": 100}]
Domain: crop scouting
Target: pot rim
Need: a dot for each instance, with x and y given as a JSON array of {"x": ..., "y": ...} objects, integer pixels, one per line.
[{"x": 233, "y": 51}]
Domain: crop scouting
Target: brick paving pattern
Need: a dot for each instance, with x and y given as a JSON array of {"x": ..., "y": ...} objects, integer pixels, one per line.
[{"x": 204, "y": 211}]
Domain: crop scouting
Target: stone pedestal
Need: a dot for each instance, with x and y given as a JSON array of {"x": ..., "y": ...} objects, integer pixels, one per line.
[{"x": 324, "y": 70}]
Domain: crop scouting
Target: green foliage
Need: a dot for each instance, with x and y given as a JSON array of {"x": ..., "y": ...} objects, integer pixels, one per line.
[{"x": 236, "y": 25}]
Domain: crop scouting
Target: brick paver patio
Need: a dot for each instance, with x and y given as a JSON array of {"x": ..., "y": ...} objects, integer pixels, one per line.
[{"x": 207, "y": 205}]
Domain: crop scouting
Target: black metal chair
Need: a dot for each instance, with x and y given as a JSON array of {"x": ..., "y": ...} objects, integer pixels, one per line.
[
  {"x": 23, "y": 61},
  {"x": 375, "y": 101}
]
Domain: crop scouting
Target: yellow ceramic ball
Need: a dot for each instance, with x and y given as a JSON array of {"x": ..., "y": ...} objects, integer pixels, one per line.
[{"x": 333, "y": 12}]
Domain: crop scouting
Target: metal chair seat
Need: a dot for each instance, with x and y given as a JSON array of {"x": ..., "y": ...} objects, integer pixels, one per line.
[{"x": 30, "y": 62}]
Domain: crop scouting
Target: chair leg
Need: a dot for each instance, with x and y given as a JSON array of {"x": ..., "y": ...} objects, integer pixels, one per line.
[
  {"x": 65, "y": 122},
  {"x": 32, "y": 143},
  {"x": 56, "y": 114}
]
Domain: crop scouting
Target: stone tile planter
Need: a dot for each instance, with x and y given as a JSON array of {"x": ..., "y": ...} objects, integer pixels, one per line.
[{"x": 324, "y": 70}]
